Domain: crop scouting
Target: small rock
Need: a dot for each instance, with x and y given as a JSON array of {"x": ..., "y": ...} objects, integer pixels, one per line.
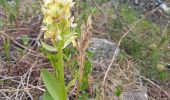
[{"x": 135, "y": 95}]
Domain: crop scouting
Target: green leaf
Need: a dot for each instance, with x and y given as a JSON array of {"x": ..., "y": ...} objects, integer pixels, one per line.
[
  {"x": 68, "y": 39},
  {"x": 1, "y": 23},
  {"x": 67, "y": 42},
  {"x": 93, "y": 10},
  {"x": 88, "y": 68},
  {"x": 48, "y": 47},
  {"x": 84, "y": 96},
  {"x": 47, "y": 96},
  {"x": 65, "y": 57},
  {"x": 60, "y": 45},
  {"x": 70, "y": 84},
  {"x": 118, "y": 91},
  {"x": 84, "y": 84},
  {"x": 163, "y": 75},
  {"x": 90, "y": 54},
  {"x": 51, "y": 84},
  {"x": 25, "y": 39}
]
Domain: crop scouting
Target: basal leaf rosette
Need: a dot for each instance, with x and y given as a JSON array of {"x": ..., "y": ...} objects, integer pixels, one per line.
[{"x": 58, "y": 21}]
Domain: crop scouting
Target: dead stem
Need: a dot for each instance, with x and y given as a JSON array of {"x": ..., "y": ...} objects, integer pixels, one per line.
[{"x": 82, "y": 46}]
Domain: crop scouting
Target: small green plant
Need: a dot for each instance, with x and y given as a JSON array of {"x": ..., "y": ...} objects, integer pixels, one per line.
[
  {"x": 11, "y": 11},
  {"x": 6, "y": 47},
  {"x": 58, "y": 25},
  {"x": 118, "y": 91}
]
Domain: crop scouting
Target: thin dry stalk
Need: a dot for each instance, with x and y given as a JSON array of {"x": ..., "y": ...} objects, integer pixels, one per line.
[{"x": 82, "y": 46}]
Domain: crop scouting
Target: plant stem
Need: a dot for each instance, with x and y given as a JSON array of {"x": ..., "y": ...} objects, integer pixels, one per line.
[
  {"x": 17, "y": 22},
  {"x": 60, "y": 70},
  {"x": 81, "y": 72}
]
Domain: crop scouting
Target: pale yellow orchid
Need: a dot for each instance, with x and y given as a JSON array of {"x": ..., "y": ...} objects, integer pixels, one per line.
[
  {"x": 57, "y": 26},
  {"x": 58, "y": 20}
]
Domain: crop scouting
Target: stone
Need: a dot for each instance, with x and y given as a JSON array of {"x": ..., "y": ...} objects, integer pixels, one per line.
[
  {"x": 135, "y": 95},
  {"x": 102, "y": 48}
]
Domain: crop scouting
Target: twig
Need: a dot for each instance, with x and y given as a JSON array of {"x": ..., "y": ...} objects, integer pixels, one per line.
[{"x": 22, "y": 82}]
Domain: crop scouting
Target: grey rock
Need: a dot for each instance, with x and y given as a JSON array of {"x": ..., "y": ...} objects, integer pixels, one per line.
[{"x": 102, "y": 49}]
